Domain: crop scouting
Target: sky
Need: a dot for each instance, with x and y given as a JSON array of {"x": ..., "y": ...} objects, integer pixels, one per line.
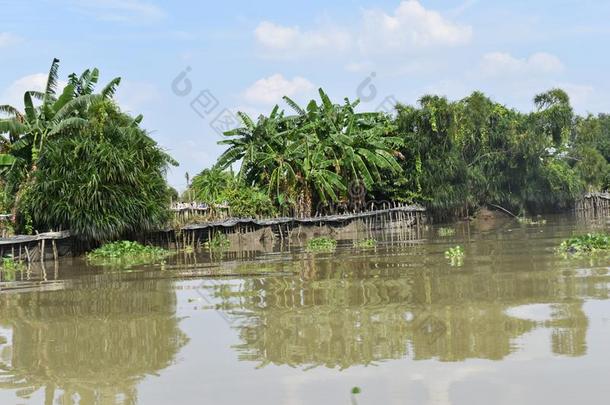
[{"x": 189, "y": 66}]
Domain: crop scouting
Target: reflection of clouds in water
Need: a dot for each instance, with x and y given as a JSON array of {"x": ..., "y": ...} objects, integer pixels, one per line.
[
  {"x": 397, "y": 383},
  {"x": 531, "y": 312},
  {"x": 438, "y": 380},
  {"x": 565, "y": 322}
]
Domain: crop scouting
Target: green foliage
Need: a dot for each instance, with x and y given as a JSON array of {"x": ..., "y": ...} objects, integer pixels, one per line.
[
  {"x": 456, "y": 251},
  {"x": 446, "y": 232},
  {"x": 103, "y": 182},
  {"x": 209, "y": 185},
  {"x": 585, "y": 244},
  {"x": 126, "y": 254},
  {"x": 218, "y": 242},
  {"x": 216, "y": 186},
  {"x": 248, "y": 202},
  {"x": 452, "y": 156},
  {"x": 310, "y": 159},
  {"x": 77, "y": 162},
  {"x": 365, "y": 243},
  {"x": 321, "y": 244},
  {"x": 455, "y": 256},
  {"x": 9, "y": 268},
  {"x": 28, "y": 133},
  {"x": 464, "y": 154},
  {"x": 592, "y": 167}
]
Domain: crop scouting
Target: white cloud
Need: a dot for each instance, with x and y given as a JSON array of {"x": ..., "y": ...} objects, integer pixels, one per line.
[
  {"x": 135, "y": 97},
  {"x": 359, "y": 67},
  {"x": 122, "y": 10},
  {"x": 412, "y": 26},
  {"x": 271, "y": 89},
  {"x": 8, "y": 39},
  {"x": 503, "y": 64},
  {"x": 13, "y": 95},
  {"x": 580, "y": 95},
  {"x": 289, "y": 41}
]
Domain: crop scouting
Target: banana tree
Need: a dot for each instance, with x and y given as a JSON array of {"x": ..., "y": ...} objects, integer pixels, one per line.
[{"x": 358, "y": 144}]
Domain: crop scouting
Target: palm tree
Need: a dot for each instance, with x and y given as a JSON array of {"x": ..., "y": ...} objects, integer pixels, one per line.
[
  {"x": 103, "y": 182},
  {"x": 208, "y": 185},
  {"x": 29, "y": 131}
]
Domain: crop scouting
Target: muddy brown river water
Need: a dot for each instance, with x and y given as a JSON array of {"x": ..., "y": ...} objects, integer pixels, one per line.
[{"x": 513, "y": 323}]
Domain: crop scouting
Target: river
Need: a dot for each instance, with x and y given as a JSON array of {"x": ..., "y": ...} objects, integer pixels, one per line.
[{"x": 514, "y": 322}]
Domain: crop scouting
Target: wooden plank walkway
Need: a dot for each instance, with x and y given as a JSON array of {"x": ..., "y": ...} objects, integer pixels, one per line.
[
  {"x": 18, "y": 239},
  {"x": 232, "y": 222}
]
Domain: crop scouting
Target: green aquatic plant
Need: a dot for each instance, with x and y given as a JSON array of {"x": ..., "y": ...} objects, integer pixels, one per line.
[
  {"x": 218, "y": 242},
  {"x": 585, "y": 244},
  {"x": 9, "y": 268},
  {"x": 355, "y": 391},
  {"x": 365, "y": 243},
  {"x": 457, "y": 251},
  {"x": 446, "y": 231},
  {"x": 321, "y": 244},
  {"x": 531, "y": 221},
  {"x": 126, "y": 254},
  {"x": 455, "y": 256},
  {"x": 9, "y": 263}
]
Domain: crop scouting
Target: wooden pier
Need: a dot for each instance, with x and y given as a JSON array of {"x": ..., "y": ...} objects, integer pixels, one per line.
[{"x": 40, "y": 247}]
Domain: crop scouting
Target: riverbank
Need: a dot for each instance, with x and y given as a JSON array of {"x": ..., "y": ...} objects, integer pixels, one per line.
[{"x": 239, "y": 231}]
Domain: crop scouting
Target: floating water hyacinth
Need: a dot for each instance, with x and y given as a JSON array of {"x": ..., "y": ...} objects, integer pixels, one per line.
[
  {"x": 586, "y": 244},
  {"x": 446, "y": 231},
  {"x": 365, "y": 243},
  {"x": 126, "y": 254},
  {"x": 455, "y": 256},
  {"x": 321, "y": 244}
]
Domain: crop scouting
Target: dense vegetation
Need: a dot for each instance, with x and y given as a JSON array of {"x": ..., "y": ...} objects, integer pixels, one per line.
[
  {"x": 309, "y": 160},
  {"x": 71, "y": 159},
  {"x": 450, "y": 156},
  {"x": 75, "y": 161},
  {"x": 216, "y": 186}
]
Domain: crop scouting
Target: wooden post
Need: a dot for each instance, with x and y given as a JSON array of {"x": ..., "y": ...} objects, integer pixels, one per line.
[
  {"x": 27, "y": 254},
  {"x": 55, "y": 254}
]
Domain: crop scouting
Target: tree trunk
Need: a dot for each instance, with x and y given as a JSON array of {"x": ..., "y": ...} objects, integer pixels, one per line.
[{"x": 304, "y": 203}]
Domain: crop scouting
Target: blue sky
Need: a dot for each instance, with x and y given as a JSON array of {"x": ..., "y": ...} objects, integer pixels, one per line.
[{"x": 244, "y": 55}]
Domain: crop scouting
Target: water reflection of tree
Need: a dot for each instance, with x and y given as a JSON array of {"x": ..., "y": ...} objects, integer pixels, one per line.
[
  {"x": 94, "y": 343},
  {"x": 344, "y": 312}
]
